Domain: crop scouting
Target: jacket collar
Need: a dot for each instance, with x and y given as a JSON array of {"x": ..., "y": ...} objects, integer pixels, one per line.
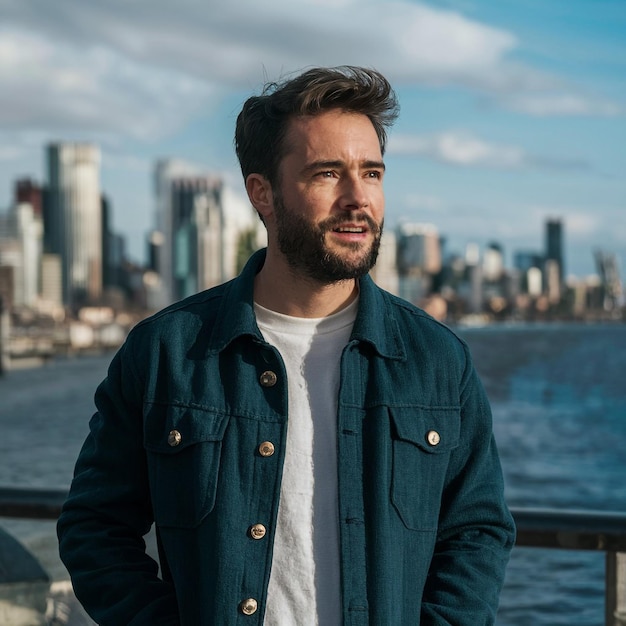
[{"x": 375, "y": 323}]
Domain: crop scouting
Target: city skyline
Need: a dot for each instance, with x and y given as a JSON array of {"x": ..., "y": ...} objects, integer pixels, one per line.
[{"x": 512, "y": 113}]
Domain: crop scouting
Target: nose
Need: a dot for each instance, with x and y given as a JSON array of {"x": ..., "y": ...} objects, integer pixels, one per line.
[{"x": 354, "y": 194}]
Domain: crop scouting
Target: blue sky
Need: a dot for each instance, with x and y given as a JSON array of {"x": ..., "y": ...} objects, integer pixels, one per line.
[{"x": 513, "y": 111}]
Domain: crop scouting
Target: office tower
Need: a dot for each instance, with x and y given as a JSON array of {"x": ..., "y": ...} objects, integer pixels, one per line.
[
  {"x": 27, "y": 191},
  {"x": 418, "y": 259},
  {"x": 73, "y": 221},
  {"x": 554, "y": 245},
  {"x": 20, "y": 248},
  {"x": 10, "y": 262},
  {"x": 611, "y": 283},
  {"x": 166, "y": 171},
  {"x": 108, "y": 271},
  {"x": 530, "y": 265},
  {"x": 493, "y": 262},
  {"x": 385, "y": 272},
  {"x": 552, "y": 281},
  {"x": 523, "y": 260},
  {"x": 154, "y": 243},
  {"x": 196, "y": 235},
  {"x": 51, "y": 281},
  {"x": 29, "y": 233},
  {"x": 200, "y": 221},
  {"x": 534, "y": 282},
  {"x": 419, "y": 249}
]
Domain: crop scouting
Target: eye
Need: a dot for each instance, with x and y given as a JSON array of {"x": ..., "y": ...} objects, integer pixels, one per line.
[
  {"x": 325, "y": 174},
  {"x": 375, "y": 174}
]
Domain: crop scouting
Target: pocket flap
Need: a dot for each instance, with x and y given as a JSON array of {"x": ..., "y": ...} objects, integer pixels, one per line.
[
  {"x": 170, "y": 428},
  {"x": 434, "y": 430}
]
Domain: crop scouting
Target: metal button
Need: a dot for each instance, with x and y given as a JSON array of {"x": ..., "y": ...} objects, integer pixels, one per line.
[
  {"x": 433, "y": 437},
  {"x": 266, "y": 448},
  {"x": 257, "y": 531},
  {"x": 268, "y": 378},
  {"x": 174, "y": 438},
  {"x": 249, "y": 606}
]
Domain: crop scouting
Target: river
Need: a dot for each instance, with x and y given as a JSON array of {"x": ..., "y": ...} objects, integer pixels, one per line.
[{"x": 559, "y": 403}]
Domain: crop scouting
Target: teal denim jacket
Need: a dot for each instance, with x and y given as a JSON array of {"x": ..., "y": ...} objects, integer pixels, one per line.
[{"x": 181, "y": 437}]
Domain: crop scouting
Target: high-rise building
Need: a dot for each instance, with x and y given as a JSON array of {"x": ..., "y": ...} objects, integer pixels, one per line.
[
  {"x": 554, "y": 245},
  {"x": 51, "y": 281},
  {"x": 418, "y": 259},
  {"x": 493, "y": 262},
  {"x": 200, "y": 220},
  {"x": 197, "y": 235},
  {"x": 20, "y": 248},
  {"x": 72, "y": 219},
  {"x": 385, "y": 272},
  {"x": 419, "y": 249},
  {"x": 27, "y": 191},
  {"x": 28, "y": 231},
  {"x": 166, "y": 171},
  {"x": 611, "y": 284}
]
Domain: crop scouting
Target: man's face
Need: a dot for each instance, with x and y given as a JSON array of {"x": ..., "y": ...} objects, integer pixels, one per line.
[{"x": 329, "y": 206}]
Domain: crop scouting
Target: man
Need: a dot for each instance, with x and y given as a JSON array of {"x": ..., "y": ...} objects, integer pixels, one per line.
[{"x": 312, "y": 450}]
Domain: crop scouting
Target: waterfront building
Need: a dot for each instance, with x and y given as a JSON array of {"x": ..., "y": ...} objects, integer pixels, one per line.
[
  {"x": 73, "y": 219},
  {"x": 20, "y": 248},
  {"x": 27, "y": 190},
  {"x": 493, "y": 262},
  {"x": 608, "y": 270},
  {"x": 475, "y": 283},
  {"x": 10, "y": 266},
  {"x": 534, "y": 283},
  {"x": 51, "y": 282},
  {"x": 197, "y": 224},
  {"x": 201, "y": 221},
  {"x": 154, "y": 243},
  {"x": 166, "y": 171},
  {"x": 552, "y": 280},
  {"x": 554, "y": 245},
  {"x": 418, "y": 259},
  {"x": 29, "y": 234},
  {"x": 385, "y": 272}
]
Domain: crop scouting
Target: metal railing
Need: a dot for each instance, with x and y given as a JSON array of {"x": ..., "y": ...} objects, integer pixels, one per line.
[{"x": 536, "y": 528}]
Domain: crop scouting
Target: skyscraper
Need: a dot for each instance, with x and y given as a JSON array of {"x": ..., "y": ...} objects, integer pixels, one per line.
[
  {"x": 200, "y": 220},
  {"x": 72, "y": 219},
  {"x": 554, "y": 245},
  {"x": 418, "y": 259}
]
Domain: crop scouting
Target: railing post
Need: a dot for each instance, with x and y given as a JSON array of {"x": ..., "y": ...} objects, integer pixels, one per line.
[{"x": 615, "y": 589}]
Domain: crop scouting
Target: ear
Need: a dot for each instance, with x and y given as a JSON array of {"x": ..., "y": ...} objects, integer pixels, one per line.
[{"x": 260, "y": 194}]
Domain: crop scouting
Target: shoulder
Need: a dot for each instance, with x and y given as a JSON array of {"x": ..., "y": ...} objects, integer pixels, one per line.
[
  {"x": 200, "y": 304},
  {"x": 178, "y": 326},
  {"x": 415, "y": 323}
]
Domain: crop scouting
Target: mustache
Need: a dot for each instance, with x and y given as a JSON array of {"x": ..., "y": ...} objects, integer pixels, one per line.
[{"x": 336, "y": 221}]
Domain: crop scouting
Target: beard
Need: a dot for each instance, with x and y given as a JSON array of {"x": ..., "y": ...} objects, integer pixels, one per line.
[{"x": 303, "y": 244}]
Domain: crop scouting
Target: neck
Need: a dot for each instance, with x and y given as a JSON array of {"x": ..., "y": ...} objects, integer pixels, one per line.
[{"x": 282, "y": 289}]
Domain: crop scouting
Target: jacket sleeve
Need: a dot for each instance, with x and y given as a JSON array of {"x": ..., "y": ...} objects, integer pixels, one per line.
[
  {"x": 476, "y": 531},
  {"x": 108, "y": 512}
]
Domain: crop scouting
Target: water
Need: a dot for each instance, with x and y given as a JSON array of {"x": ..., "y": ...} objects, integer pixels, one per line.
[
  {"x": 558, "y": 397},
  {"x": 559, "y": 402}
]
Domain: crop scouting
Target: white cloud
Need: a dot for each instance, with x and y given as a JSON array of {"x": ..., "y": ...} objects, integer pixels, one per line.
[
  {"x": 51, "y": 86},
  {"x": 145, "y": 68},
  {"x": 458, "y": 148},
  {"x": 561, "y": 104},
  {"x": 464, "y": 149}
]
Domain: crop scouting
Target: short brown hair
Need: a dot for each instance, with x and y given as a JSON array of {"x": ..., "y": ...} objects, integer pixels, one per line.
[{"x": 262, "y": 122}]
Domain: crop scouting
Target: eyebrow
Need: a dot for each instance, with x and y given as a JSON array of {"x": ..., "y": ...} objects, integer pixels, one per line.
[{"x": 320, "y": 165}]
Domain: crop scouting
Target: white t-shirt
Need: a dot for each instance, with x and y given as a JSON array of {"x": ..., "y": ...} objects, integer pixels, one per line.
[{"x": 304, "y": 587}]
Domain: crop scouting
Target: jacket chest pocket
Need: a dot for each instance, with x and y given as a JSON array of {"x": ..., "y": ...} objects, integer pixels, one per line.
[
  {"x": 183, "y": 447},
  {"x": 422, "y": 440}
]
